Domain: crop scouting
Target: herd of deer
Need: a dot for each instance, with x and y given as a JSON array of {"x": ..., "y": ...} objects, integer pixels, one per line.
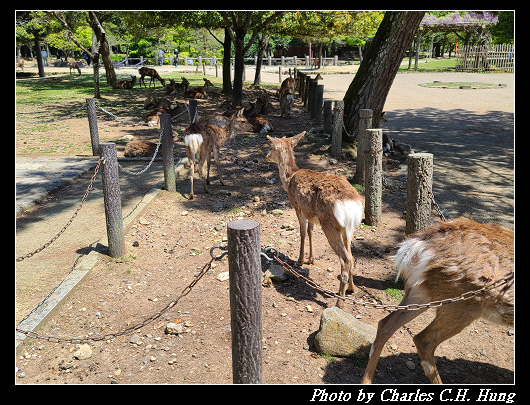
[{"x": 445, "y": 261}]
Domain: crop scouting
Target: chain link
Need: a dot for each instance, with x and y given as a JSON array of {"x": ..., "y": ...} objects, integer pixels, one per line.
[
  {"x": 88, "y": 190},
  {"x": 509, "y": 279},
  {"x": 146, "y": 321}
]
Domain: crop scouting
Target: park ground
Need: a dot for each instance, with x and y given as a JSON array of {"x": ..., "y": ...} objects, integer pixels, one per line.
[{"x": 169, "y": 242}]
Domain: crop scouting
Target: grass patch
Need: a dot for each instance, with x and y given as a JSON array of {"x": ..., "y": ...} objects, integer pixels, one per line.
[{"x": 436, "y": 65}]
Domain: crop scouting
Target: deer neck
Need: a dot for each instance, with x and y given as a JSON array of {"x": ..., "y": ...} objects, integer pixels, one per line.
[{"x": 287, "y": 167}]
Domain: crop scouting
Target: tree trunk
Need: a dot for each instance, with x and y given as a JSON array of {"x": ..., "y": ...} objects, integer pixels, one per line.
[
  {"x": 104, "y": 49},
  {"x": 262, "y": 45},
  {"x": 39, "y": 57},
  {"x": 227, "y": 80},
  {"x": 370, "y": 87},
  {"x": 237, "y": 92}
]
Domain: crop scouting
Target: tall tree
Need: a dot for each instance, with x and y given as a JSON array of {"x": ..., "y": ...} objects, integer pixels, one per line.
[
  {"x": 378, "y": 69},
  {"x": 238, "y": 24}
]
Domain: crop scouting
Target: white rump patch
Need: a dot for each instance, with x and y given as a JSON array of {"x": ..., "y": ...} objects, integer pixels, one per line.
[
  {"x": 411, "y": 260},
  {"x": 266, "y": 128},
  {"x": 193, "y": 142},
  {"x": 349, "y": 214}
]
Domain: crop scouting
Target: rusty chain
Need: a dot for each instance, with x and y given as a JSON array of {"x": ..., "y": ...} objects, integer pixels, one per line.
[
  {"x": 509, "y": 279},
  {"x": 146, "y": 321},
  {"x": 88, "y": 190}
]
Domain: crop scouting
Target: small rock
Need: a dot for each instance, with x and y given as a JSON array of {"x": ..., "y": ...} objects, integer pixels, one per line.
[
  {"x": 218, "y": 227},
  {"x": 66, "y": 366},
  {"x": 143, "y": 221},
  {"x": 332, "y": 161},
  {"x": 256, "y": 198},
  {"x": 184, "y": 213},
  {"x": 218, "y": 205},
  {"x": 152, "y": 358},
  {"x": 483, "y": 352},
  {"x": 309, "y": 308},
  {"x": 511, "y": 332},
  {"x": 277, "y": 212},
  {"x": 410, "y": 365},
  {"x": 223, "y": 276},
  {"x": 98, "y": 314},
  {"x": 136, "y": 243},
  {"x": 135, "y": 339},
  {"x": 84, "y": 352},
  {"x": 174, "y": 328}
]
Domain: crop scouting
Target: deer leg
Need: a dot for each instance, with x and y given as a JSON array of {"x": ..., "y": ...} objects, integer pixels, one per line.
[
  {"x": 208, "y": 164},
  {"x": 449, "y": 321},
  {"x": 202, "y": 158},
  {"x": 303, "y": 227},
  {"x": 346, "y": 260},
  {"x": 191, "y": 160},
  {"x": 311, "y": 259},
  {"x": 346, "y": 239},
  {"x": 218, "y": 164},
  {"x": 385, "y": 329}
]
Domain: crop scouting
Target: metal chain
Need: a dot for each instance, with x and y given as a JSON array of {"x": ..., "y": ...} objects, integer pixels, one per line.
[
  {"x": 88, "y": 190},
  {"x": 146, "y": 321},
  {"x": 509, "y": 279},
  {"x": 431, "y": 196}
]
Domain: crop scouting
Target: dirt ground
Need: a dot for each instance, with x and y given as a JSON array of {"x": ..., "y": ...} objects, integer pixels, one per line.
[{"x": 170, "y": 242}]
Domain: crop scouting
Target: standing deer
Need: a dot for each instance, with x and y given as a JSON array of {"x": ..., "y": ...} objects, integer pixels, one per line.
[
  {"x": 74, "y": 65},
  {"x": 320, "y": 198},
  {"x": 445, "y": 261},
  {"x": 285, "y": 104},
  {"x": 203, "y": 139},
  {"x": 152, "y": 73}
]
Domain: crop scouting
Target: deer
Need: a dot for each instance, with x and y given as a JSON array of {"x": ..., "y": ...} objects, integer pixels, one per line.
[
  {"x": 74, "y": 65},
  {"x": 287, "y": 86},
  {"x": 320, "y": 198},
  {"x": 199, "y": 92},
  {"x": 152, "y": 119},
  {"x": 152, "y": 73},
  {"x": 285, "y": 104},
  {"x": 203, "y": 139},
  {"x": 125, "y": 84},
  {"x": 448, "y": 260}
]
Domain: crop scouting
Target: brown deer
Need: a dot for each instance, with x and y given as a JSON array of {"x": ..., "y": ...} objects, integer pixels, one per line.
[
  {"x": 285, "y": 104},
  {"x": 203, "y": 139},
  {"x": 125, "y": 84},
  {"x": 74, "y": 65},
  {"x": 445, "y": 261},
  {"x": 287, "y": 86},
  {"x": 199, "y": 92},
  {"x": 320, "y": 198},
  {"x": 152, "y": 73},
  {"x": 152, "y": 119}
]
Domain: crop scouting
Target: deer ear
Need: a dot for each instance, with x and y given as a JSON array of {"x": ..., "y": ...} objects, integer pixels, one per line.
[
  {"x": 295, "y": 139},
  {"x": 273, "y": 140}
]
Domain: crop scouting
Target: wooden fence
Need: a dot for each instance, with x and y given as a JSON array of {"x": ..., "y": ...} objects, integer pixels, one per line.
[{"x": 492, "y": 58}]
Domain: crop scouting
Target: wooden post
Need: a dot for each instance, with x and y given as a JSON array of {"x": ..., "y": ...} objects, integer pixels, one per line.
[
  {"x": 365, "y": 122},
  {"x": 167, "y": 153},
  {"x": 373, "y": 180},
  {"x": 244, "y": 265},
  {"x": 280, "y": 74},
  {"x": 306, "y": 91},
  {"x": 301, "y": 84},
  {"x": 418, "y": 201},
  {"x": 311, "y": 98},
  {"x": 336, "y": 132},
  {"x": 112, "y": 199},
  {"x": 319, "y": 99},
  {"x": 93, "y": 125},
  {"x": 328, "y": 116},
  {"x": 192, "y": 110}
]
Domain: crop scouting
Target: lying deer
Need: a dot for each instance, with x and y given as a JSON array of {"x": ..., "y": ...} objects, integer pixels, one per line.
[
  {"x": 156, "y": 102},
  {"x": 124, "y": 84},
  {"x": 203, "y": 139},
  {"x": 152, "y": 119},
  {"x": 445, "y": 261},
  {"x": 320, "y": 198},
  {"x": 199, "y": 92},
  {"x": 152, "y": 73}
]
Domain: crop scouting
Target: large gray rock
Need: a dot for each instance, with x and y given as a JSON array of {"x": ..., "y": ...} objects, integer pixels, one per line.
[{"x": 342, "y": 335}]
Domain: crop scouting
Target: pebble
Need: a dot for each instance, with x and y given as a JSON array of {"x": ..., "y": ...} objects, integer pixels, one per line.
[
  {"x": 174, "y": 328},
  {"x": 84, "y": 352},
  {"x": 309, "y": 308},
  {"x": 410, "y": 365},
  {"x": 223, "y": 276}
]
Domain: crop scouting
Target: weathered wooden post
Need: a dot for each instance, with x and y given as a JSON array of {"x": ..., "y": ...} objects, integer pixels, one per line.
[
  {"x": 336, "y": 132},
  {"x": 420, "y": 166},
  {"x": 167, "y": 153},
  {"x": 112, "y": 199},
  {"x": 301, "y": 84},
  {"x": 328, "y": 116},
  {"x": 373, "y": 180},
  {"x": 192, "y": 110},
  {"x": 365, "y": 122},
  {"x": 319, "y": 99},
  {"x": 244, "y": 265},
  {"x": 306, "y": 91},
  {"x": 280, "y": 74},
  {"x": 93, "y": 125},
  {"x": 311, "y": 100}
]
